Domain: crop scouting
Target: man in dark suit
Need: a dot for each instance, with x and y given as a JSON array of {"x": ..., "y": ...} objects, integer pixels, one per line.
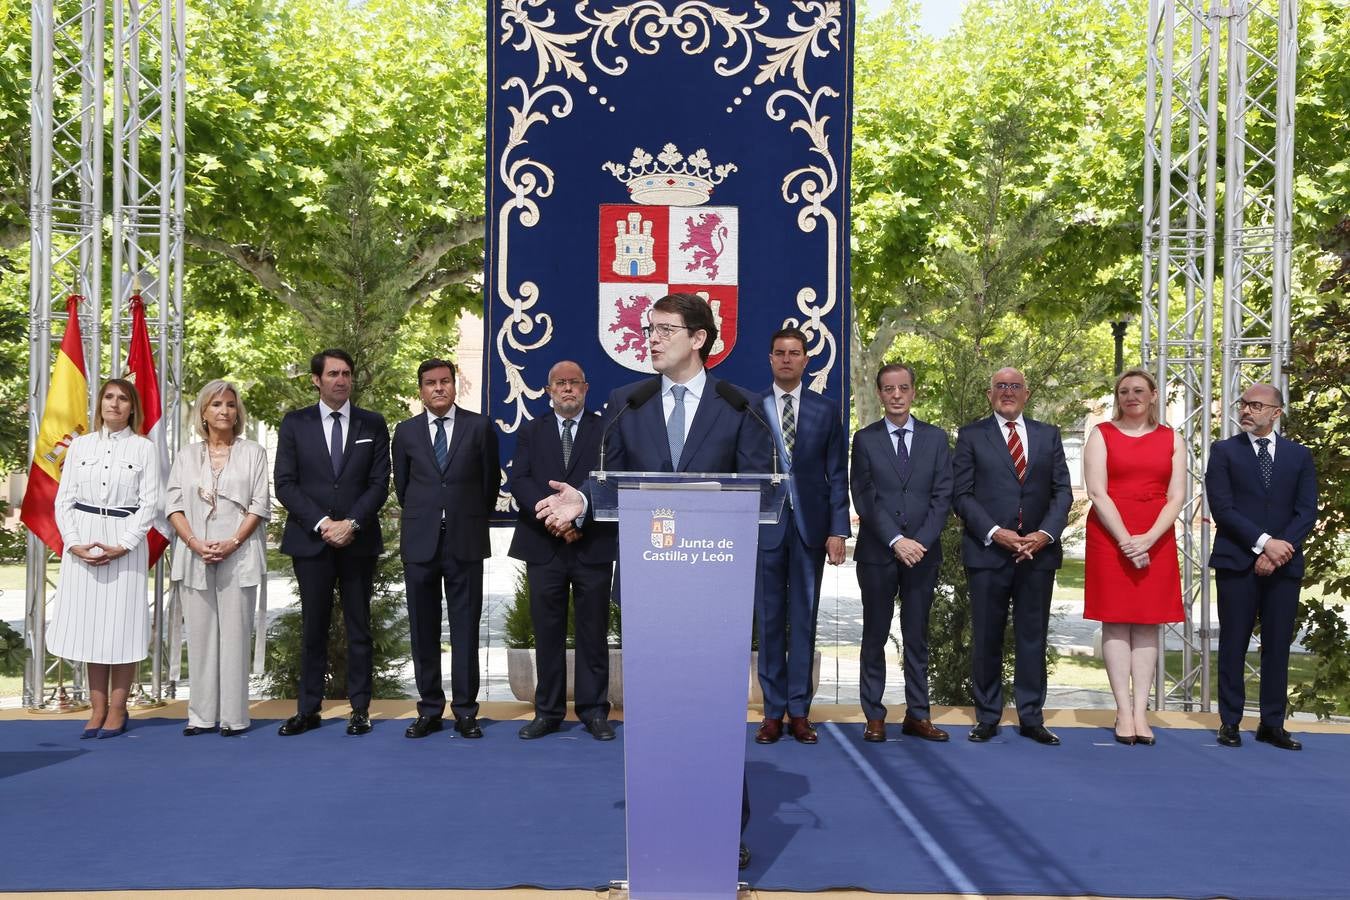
[
  {"x": 1262, "y": 492},
  {"x": 446, "y": 476},
  {"x": 563, "y": 446},
  {"x": 691, "y": 427},
  {"x": 1011, "y": 489},
  {"x": 332, "y": 475},
  {"x": 792, "y": 553},
  {"x": 902, "y": 489}
]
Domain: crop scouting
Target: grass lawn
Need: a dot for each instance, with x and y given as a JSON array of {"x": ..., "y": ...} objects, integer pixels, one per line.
[{"x": 1088, "y": 672}]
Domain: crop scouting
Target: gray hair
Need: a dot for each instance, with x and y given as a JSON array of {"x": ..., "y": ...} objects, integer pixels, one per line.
[{"x": 209, "y": 392}]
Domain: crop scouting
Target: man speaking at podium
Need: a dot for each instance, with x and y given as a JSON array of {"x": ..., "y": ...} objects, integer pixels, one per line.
[{"x": 697, "y": 424}]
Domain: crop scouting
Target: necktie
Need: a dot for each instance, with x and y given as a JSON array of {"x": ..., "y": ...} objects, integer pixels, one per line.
[
  {"x": 440, "y": 446},
  {"x": 567, "y": 442},
  {"x": 902, "y": 453},
  {"x": 335, "y": 442},
  {"x": 1019, "y": 457},
  {"x": 675, "y": 426},
  {"x": 1264, "y": 461},
  {"x": 789, "y": 426}
]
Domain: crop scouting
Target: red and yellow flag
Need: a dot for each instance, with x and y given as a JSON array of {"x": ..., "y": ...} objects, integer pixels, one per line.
[
  {"x": 65, "y": 416},
  {"x": 141, "y": 371}
]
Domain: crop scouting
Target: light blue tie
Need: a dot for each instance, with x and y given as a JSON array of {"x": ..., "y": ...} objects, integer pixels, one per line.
[{"x": 675, "y": 426}]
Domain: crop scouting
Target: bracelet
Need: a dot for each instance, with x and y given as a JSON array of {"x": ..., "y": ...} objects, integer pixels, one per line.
[{"x": 235, "y": 539}]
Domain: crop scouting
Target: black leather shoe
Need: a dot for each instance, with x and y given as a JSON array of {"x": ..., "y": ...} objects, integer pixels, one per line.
[
  {"x": 194, "y": 730},
  {"x": 600, "y": 729},
  {"x": 423, "y": 726},
  {"x": 299, "y": 724},
  {"x": 538, "y": 727},
  {"x": 467, "y": 726},
  {"x": 359, "y": 723},
  {"x": 982, "y": 732},
  {"x": 1277, "y": 737},
  {"x": 1040, "y": 734},
  {"x": 1229, "y": 736},
  {"x": 743, "y": 861},
  {"x": 226, "y": 731}
]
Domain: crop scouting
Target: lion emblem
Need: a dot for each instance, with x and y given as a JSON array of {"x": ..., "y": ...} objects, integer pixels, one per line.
[
  {"x": 707, "y": 238},
  {"x": 628, "y": 326}
]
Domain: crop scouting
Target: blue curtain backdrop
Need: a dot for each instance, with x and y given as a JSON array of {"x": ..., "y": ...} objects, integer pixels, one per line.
[{"x": 640, "y": 148}]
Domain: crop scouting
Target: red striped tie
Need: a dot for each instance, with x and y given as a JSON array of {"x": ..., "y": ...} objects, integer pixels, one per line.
[{"x": 1019, "y": 458}]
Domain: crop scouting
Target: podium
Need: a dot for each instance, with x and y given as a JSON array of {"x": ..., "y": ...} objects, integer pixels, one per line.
[{"x": 688, "y": 544}]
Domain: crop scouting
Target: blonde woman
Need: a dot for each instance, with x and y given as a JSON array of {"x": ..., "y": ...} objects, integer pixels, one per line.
[
  {"x": 1134, "y": 469},
  {"x": 108, "y": 498},
  {"x": 217, "y": 499}
]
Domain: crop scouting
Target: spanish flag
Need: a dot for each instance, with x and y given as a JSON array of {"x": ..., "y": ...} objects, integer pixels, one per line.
[{"x": 64, "y": 418}]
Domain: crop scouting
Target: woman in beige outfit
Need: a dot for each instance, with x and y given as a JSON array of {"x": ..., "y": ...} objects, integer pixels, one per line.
[{"x": 217, "y": 498}]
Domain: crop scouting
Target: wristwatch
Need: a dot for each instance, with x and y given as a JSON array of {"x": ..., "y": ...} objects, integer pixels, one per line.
[{"x": 356, "y": 526}]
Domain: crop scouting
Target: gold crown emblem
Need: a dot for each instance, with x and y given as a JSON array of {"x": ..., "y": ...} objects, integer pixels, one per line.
[
  {"x": 671, "y": 179},
  {"x": 663, "y": 513}
]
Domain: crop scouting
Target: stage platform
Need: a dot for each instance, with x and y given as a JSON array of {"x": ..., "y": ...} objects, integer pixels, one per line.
[{"x": 501, "y": 817}]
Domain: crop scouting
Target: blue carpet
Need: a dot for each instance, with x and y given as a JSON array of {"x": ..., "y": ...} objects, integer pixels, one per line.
[{"x": 1185, "y": 818}]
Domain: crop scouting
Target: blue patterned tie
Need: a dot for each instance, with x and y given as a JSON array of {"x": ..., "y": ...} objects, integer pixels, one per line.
[
  {"x": 789, "y": 426},
  {"x": 440, "y": 446},
  {"x": 1264, "y": 462},
  {"x": 567, "y": 442},
  {"x": 675, "y": 426},
  {"x": 335, "y": 442},
  {"x": 902, "y": 453}
]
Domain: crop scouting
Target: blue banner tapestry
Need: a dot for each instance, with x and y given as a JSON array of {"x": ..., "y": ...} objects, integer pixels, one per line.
[{"x": 649, "y": 147}]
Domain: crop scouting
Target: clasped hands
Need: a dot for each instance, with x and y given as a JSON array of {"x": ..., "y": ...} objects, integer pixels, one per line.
[
  {"x": 212, "y": 552},
  {"x": 1136, "y": 547},
  {"x": 1022, "y": 547},
  {"x": 1273, "y": 555},
  {"x": 337, "y": 534},
  {"x": 105, "y": 553}
]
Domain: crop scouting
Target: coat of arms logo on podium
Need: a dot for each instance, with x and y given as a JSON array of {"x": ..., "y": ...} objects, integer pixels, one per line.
[
  {"x": 666, "y": 241},
  {"x": 663, "y": 528}
]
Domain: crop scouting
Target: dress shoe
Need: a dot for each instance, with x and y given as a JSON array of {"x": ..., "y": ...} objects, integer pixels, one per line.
[
  {"x": 1145, "y": 740},
  {"x": 359, "y": 723},
  {"x": 982, "y": 732},
  {"x": 1129, "y": 740},
  {"x": 875, "y": 732},
  {"x": 299, "y": 724},
  {"x": 467, "y": 726},
  {"x": 770, "y": 730},
  {"x": 743, "y": 861},
  {"x": 923, "y": 728},
  {"x": 227, "y": 731},
  {"x": 423, "y": 726},
  {"x": 1273, "y": 735},
  {"x": 600, "y": 728},
  {"x": 194, "y": 730},
  {"x": 538, "y": 727},
  {"x": 1040, "y": 734},
  {"x": 104, "y": 733},
  {"x": 1229, "y": 736},
  {"x": 802, "y": 730},
  {"x": 89, "y": 734}
]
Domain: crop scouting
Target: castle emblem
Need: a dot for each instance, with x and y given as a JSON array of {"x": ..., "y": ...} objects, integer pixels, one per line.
[
  {"x": 666, "y": 240},
  {"x": 663, "y": 528}
]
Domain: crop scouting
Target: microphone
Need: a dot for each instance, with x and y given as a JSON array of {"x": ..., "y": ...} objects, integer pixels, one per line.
[
  {"x": 640, "y": 395},
  {"x": 739, "y": 403}
]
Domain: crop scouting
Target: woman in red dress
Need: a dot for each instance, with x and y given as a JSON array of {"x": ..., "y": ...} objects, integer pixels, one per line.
[{"x": 1134, "y": 469}]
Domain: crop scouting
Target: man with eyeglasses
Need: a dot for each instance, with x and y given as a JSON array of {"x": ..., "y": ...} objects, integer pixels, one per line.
[
  {"x": 689, "y": 427},
  {"x": 1262, "y": 493},
  {"x": 575, "y": 561},
  {"x": 1012, "y": 491}
]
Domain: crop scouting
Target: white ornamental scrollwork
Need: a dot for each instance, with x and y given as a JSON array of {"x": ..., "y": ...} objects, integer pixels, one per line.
[
  {"x": 791, "y": 52},
  {"x": 693, "y": 22},
  {"x": 551, "y": 50}
]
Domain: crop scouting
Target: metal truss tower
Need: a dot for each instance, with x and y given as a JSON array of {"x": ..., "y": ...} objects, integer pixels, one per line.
[
  {"x": 1187, "y": 42},
  {"x": 66, "y": 211}
]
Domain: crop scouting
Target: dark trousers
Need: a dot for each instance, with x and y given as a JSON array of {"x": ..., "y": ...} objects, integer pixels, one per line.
[
  {"x": 786, "y": 599},
  {"x": 879, "y": 584},
  {"x": 991, "y": 592},
  {"x": 462, "y": 582},
  {"x": 590, "y": 587},
  {"x": 354, "y": 578},
  {"x": 1243, "y": 596}
]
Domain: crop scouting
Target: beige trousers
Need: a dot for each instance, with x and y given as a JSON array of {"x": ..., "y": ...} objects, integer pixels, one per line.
[{"x": 220, "y": 639}]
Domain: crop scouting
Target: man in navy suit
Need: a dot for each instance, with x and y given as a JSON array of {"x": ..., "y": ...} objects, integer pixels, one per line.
[
  {"x": 792, "y": 553},
  {"x": 1011, "y": 489},
  {"x": 332, "y": 475},
  {"x": 446, "y": 475},
  {"x": 902, "y": 489},
  {"x": 691, "y": 427},
  {"x": 1262, "y": 492},
  {"x": 563, "y": 446}
]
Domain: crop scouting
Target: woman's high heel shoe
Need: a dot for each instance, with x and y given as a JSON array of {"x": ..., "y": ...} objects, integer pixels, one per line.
[
  {"x": 1128, "y": 740},
  {"x": 1146, "y": 741}
]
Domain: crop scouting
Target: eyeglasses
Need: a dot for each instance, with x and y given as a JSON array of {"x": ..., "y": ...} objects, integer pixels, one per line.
[
  {"x": 1013, "y": 386},
  {"x": 664, "y": 331},
  {"x": 1255, "y": 406},
  {"x": 563, "y": 383}
]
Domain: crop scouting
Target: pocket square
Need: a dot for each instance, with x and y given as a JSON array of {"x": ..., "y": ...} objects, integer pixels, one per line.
[{"x": 364, "y": 440}]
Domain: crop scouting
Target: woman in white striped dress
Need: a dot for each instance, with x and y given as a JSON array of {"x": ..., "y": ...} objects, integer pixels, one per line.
[{"x": 108, "y": 498}]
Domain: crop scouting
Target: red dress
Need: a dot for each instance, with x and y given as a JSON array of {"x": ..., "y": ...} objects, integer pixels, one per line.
[{"x": 1138, "y": 470}]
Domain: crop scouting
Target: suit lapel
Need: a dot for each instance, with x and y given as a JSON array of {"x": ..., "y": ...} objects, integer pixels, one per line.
[
  {"x": 994, "y": 430},
  {"x": 707, "y": 411},
  {"x": 553, "y": 441},
  {"x": 456, "y": 438},
  {"x": 652, "y": 418},
  {"x": 769, "y": 402},
  {"x": 1247, "y": 452},
  {"x": 353, "y": 432}
]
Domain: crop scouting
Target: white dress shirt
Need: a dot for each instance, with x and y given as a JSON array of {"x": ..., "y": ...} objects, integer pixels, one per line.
[
  {"x": 449, "y": 425},
  {"x": 899, "y": 433},
  {"x": 1260, "y": 544},
  {"x": 691, "y": 397},
  {"x": 344, "y": 422}
]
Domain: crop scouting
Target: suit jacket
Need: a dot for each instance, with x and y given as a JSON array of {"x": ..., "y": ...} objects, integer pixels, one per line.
[
  {"x": 1244, "y": 509},
  {"x": 719, "y": 440},
  {"x": 538, "y": 461},
  {"x": 305, "y": 484},
  {"x": 465, "y": 494},
  {"x": 986, "y": 491},
  {"x": 889, "y": 504},
  {"x": 819, "y": 469}
]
